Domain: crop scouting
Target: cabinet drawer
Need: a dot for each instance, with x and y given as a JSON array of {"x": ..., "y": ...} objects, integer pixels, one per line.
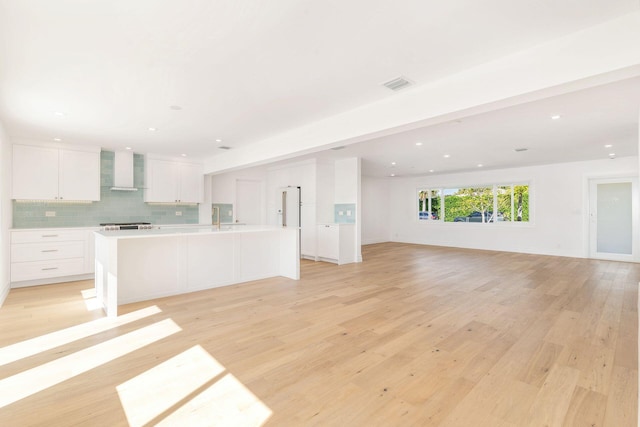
[
  {"x": 45, "y": 269},
  {"x": 52, "y": 235},
  {"x": 25, "y": 252}
]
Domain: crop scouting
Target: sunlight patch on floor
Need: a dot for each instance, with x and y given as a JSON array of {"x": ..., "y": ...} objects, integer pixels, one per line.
[
  {"x": 32, "y": 346},
  {"x": 153, "y": 392},
  {"x": 40, "y": 378},
  {"x": 88, "y": 293},
  {"x": 225, "y": 403},
  {"x": 170, "y": 394},
  {"x": 90, "y": 300}
]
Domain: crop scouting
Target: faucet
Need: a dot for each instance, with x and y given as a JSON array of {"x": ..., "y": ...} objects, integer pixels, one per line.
[{"x": 215, "y": 210}]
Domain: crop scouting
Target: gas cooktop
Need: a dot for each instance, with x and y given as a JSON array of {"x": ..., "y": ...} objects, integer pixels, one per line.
[{"x": 112, "y": 226}]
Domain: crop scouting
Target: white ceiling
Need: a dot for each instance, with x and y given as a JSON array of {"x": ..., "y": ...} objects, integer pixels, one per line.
[
  {"x": 246, "y": 70},
  {"x": 589, "y": 120}
]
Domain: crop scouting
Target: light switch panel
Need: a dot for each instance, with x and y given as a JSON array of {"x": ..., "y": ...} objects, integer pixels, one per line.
[
  {"x": 178, "y": 213},
  {"x": 50, "y": 213}
]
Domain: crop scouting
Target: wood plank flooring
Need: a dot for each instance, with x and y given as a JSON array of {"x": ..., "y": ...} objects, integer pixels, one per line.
[{"x": 414, "y": 336}]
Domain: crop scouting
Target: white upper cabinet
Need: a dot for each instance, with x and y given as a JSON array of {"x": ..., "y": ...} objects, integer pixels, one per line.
[
  {"x": 79, "y": 175},
  {"x": 191, "y": 183},
  {"x": 173, "y": 182},
  {"x": 47, "y": 173}
]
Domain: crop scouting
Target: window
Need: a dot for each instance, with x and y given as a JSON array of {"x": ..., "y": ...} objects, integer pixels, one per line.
[
  {"x": 483, "y": 204},
  {"x": 471, "y": 204},
  {"x": 428, "y": 205}
]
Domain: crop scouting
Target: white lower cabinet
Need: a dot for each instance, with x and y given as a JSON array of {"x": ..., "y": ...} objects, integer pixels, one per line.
[
  {"x": 50, "y": 255},
  {"x": 336, "y": 243}
]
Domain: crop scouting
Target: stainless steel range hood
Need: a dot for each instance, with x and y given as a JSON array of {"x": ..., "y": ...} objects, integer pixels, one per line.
[{"x": 123, "y": 171}]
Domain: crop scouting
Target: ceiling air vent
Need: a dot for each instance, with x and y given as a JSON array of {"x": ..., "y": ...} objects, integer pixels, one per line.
[
  {"x": 224, "y": 147},
  {"x": 342, "y": 147},
  {"x": 520, "y": 150},
  {"x": 398, "y": 83}
]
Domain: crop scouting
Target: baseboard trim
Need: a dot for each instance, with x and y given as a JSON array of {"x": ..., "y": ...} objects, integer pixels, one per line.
[
  {"x": 374, "y": 241},
  {"x": 51, "y": 281}
]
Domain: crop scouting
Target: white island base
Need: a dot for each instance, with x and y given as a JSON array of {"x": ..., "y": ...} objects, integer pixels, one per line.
[{"x": 138, "y": 265}]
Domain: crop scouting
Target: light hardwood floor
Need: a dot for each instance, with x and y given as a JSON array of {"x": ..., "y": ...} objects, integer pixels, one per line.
[{"x": 414, "y": 336}]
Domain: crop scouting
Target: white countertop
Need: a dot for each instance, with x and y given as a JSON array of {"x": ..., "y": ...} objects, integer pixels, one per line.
[
  {"x": 198, "y": 230},
  {"x": 56, "y": 228}
]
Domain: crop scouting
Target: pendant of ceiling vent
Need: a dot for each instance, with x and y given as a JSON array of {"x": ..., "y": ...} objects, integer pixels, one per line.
[
  {"x": 224, "y": 147},
  {"x": 398, "y": 83}
]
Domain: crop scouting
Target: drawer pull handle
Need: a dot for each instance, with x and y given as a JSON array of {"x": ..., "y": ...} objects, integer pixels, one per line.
[
  {"x": 50, "y": 268},
  {"x": 49, "y": 250},
  {"x": 49, "y": 235}
]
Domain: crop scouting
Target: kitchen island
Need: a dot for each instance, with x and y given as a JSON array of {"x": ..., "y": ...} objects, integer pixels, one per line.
[{"x": 138, "y": 265}]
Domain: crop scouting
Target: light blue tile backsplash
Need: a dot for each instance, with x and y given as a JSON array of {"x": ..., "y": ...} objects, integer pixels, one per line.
[
  {"x": 226, "y": 212},
  {"x": 340, "y": 212},
  {"x": 114, "y": 206}
]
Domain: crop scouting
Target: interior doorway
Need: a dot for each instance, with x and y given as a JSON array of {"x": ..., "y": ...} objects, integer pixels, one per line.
[
  {"x": 249, "y": 202},
  {"x": 613, "y": 219}
]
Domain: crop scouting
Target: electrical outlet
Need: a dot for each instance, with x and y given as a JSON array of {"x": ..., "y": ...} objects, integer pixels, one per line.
[
  {"x": 178, "y": 213},
  {"x": 50, "y": 213}
]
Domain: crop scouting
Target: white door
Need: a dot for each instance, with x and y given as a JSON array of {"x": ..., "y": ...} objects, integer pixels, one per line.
[
  {"x": 249, "y": 201},
  {"x": 613, "y": 219}
]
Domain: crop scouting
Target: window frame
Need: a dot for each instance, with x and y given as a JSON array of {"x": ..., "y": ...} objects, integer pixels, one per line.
[{"x": 506, "y": 183}]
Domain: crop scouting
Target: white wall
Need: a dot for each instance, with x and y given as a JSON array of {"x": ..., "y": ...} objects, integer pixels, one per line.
[
  {"x": 558, "y": 209},
  {"x": 375, "y": 210},
  {"x": 347, "y": 189},
  {"x": 5, "y": 213}
]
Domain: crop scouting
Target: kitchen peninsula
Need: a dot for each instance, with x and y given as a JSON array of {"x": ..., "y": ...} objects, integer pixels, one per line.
[{"x": 138, "y": 265}]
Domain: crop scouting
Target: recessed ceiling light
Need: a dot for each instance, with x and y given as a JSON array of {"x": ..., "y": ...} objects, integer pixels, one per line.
[
  {"x": 418, "y": 143},
  {"x": 127, "y": 148},
  {"x": 479, "y": 165},
  {"x": 59, "y": 113},
  {"x": 393, "y": 174},
  {"x": 183, "y": 155},
  {"x": 612, "y": 154},
  {"x": 175, "y": 107},
  {"x": 153, "y": 129},
  {"x": 446, "y": 156},
  {"x": 608, "y": 146},
  {"x": 57, "y": 139},
  {"x": 555, "y": 117},
  {"x": 431, "y": 170},
  {"x": 393, "y": 163},
  {"x": 218, "y": 140}
]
